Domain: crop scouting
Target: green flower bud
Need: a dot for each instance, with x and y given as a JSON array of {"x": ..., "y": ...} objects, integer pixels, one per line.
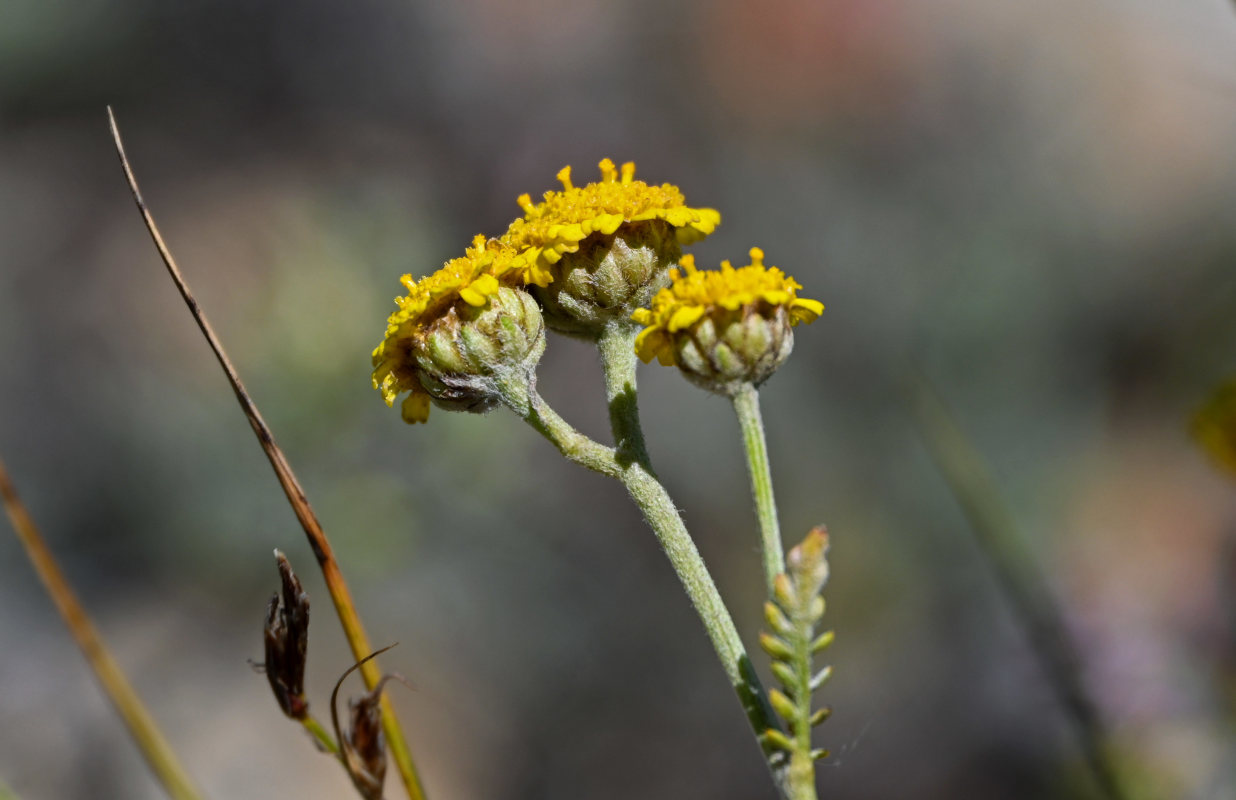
[
  {"x": 608, "y": 277},
  {"x": 597, "y": 252},
  {"x": 725, "y": 329},
  {"x": 459, "y": 333},
  {"x": 462, "y": 354},
  {"x": 723, "y": 353}
]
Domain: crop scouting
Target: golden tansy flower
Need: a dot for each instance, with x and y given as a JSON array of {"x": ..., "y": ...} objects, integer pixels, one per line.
[
  {"x": 727, "y": 327},
  {"x": 1214, "y": 426},
  {"x": 470, "y": 281},
  {"x": 556, "y": 226}
]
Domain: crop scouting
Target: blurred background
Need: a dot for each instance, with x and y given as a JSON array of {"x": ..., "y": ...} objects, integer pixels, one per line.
[{"x": 1034, "y": 203}]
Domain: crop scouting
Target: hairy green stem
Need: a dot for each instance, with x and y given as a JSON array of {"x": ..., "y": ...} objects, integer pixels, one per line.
[
  {"x": 747, "y": 407},
  {"x": 617, "y": 348},
  {"x": 802, "y": 765},
  {"x": 659, "y": 510},
  {"x": 519, "y": 394}
]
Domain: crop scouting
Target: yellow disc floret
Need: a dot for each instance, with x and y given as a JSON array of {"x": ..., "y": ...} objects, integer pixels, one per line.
[
  {"x": 724, "y": 296},
  {"x": 556, "y": 226},
  {"x": 471, "y": 280}
]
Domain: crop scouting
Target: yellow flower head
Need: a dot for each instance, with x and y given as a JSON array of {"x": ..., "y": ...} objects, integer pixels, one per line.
[
  {"x": 723, "y": 296},
  {"x": 470, "y": 280},
  {"x": 556, "y": 226},
  {"x": 1214, "y": 426}
]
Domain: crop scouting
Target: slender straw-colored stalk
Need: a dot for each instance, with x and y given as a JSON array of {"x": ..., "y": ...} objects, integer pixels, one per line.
[
  {"x": 747, "y": 407},
  {"x": 1024, "y": 586},
  {"x": 322, "y": 551},
  {"x": 142, "y": 727}
]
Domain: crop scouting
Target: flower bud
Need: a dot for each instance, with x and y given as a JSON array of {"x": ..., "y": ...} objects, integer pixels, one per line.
[
  {"x": 725, "y": 329},
  {"x": 723, "y": 352},
  {"x": 458, "y": 333},
  {"x": 463, "y": 352},
  {"x": 597, "y": 252},
  {"x": 609, "y": 276}
]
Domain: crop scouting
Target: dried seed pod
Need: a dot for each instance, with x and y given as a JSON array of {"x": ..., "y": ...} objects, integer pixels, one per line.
[
  {"x": 286, "y": 636},
  {"x": 365, "y": 743},
  {"x": 364, "y": 746}
]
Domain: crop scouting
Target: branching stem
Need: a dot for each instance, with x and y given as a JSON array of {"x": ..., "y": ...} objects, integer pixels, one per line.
[{"x": 628, "y": 463}]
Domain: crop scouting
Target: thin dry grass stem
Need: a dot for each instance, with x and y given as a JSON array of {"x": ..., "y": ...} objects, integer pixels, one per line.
[
  {"x": 1023, "y": 584},
  {"x": 145, "y": 732},
  {"x": 342, "y": 598}
]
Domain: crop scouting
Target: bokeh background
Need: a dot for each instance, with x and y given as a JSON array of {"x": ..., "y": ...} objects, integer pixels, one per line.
[{"x": 1033, "y": 203}]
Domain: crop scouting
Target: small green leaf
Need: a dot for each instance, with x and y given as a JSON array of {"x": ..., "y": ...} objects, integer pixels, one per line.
[
  {"x": 816, "y": 610},
  {"x": 776, "y": 647},
  {"x": 779, "y": 740},
  {"x": 782, "y": 704},
  {"x": 783, "y": 591},
  {"x": 777, "y": 620},
  {"x": 784, "y": 673}
]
